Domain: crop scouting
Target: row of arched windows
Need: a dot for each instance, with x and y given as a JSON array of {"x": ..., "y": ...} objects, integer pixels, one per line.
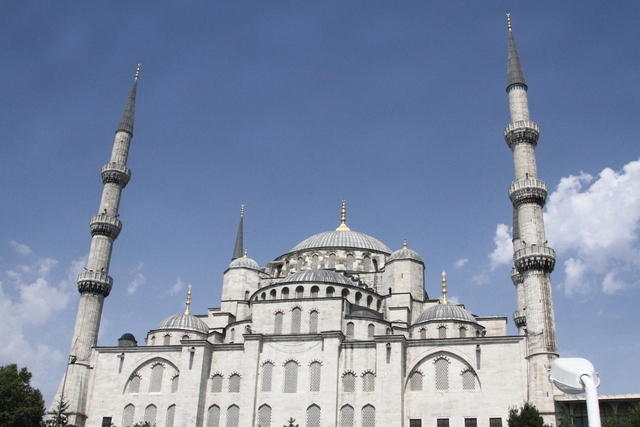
[
  {"x": 367, "y": 264},
  {"x": 330, "y": 291},
  {"x": 367, "y": 418},
  {"x": 290, "y": 376},
  {"x": 233, "y": 385},
  {"x": 150, "y": 415},
  {"x": 442, "y": 332},
  {"x": 313, "y": 416},
  {"x": 296, "y": 322},
  {"x": 166, "y": 339},
  {"x": 441, "y": 377},
  {"x": 232, "y": 416},
  {"x": 349, "y": 382},
  {"x": 155, "y": 382},
  {"x": 350, "y": 330}
]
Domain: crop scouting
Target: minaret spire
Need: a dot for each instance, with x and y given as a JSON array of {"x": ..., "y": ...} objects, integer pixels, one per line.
[
  {"x": 238, "y": 249},
  {"x": 514, "y": 68},
  {"x": 187, "y": 304},
  {"x": 126, "y": 123},
  {"x": 343, "y": 217},
  {"x": 443, "y": 282}
]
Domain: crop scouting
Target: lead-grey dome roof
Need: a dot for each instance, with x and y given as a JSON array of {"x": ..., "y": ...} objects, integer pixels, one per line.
[
  {"x": 184, "y": 322},
  {"x": 318, "y": 276},
  {"x": 244, "y": 262},
  {"x": 446, "y": 312},
  {"x": 342, "y": 238},
  {"x": 405, "y": 253}
]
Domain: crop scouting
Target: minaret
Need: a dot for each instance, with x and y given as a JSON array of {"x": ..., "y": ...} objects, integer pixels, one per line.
[
  {"x": 238, "y": 249},
  {"x": 94, "y": 283},
  {"x": 534, "y": 260}
]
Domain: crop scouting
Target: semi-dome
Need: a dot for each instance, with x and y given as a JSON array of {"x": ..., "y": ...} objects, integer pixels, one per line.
[
  {"x": 341, "y": 239},
  {"x": 444, "y": 312},
  {"x": 184, "y": 322},
  {"x": 405, "y": 253},
  {"x": 318, "y": 276},
  {"x": 244, "y": 262}
]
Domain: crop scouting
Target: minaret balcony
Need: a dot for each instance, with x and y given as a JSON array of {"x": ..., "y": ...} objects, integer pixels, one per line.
[
  {"x": 528, "y": 190},
  {"x": 516, "y": 277},
  {"x": 519, "y": 319},
  {"x": 522, "y": 131},
  {"x": 94, "y": 282},
  {"x": 535, "y": 257},
  {"x": 105, "y": 225},
  {"x": 115, "y": 173}
]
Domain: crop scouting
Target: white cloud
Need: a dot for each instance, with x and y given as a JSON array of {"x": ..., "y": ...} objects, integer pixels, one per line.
[
  {"x": 177, "y": 286},
  {"x": 20, "y": 248},
  {"x": 461, "y": 262},
  {"x": 503, "y": 252},
  {"x": 138, "y": 280}
]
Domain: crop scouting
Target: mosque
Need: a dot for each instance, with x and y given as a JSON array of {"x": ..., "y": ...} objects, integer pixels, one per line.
[{"x": 338, "y": 331}]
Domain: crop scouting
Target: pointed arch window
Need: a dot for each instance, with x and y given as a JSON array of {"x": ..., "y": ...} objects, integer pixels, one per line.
[
  {"x": 442, "y": 332},
  {"x": 349, "y": 263},
  {"x": 423, "y": 333},
  {"x": 369, "y": 301},
  {"x": 366, "y": 263},
  {"x": 442, "y": 374},
  {"x": 127, "y": 415},
  {"x": 468, "y": 380},
  {"x": 371, "y": 330},
  {"x": 234, "y": 383},
  {"x": 291, "y": 377},
  {"x": 368, "y": 382},
  {"x": 264, "y": 416},
  {"x": 313, "y": 322},
  {"x": 277, "y": 324},
  {"x": 350, "y": 330},
  {"x": 174, "y": 383},
  {"x": 315, "y": 370},
  {"x": 368, "y": 416},
  {"x": 314, "y": 262},
  {"x": 296, "y": 318},
  {"x": 313, "y": 416},
  {"x": 216, "y": 383},
  {"x": 463, "y": 332},
  {"x": 332, "y": 261},
  {"x": 233, "y": 416},
  {"x": 415, "y": 381},
  {"x": 134, "y": 384},
  {"x": 150, "y": 413},
  {"x": 349, "y": 382},
  {"x": 155, "y": 384},
  {"x": 346, "y": 416},
  {"x": 166, "y": 340},
  {"x": 267, "y": 375},
  {"x": 171, "y": 413},
  {"x": 213, "y": 416}
]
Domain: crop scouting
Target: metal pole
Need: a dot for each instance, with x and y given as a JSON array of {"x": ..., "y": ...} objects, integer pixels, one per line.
[{"x": 593, "y": 409}]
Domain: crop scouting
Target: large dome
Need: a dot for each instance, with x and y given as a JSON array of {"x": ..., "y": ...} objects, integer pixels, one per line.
[
  {"x": 342, "y": 239},
  {"x": 184, "y": 322},
  {"x": 318, "y": 276},
  {"x": 446, "y": 312}
]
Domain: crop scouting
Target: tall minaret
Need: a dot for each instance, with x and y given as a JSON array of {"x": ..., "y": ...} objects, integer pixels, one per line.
[
  {"x": 534, "y": 260},
  {"x": 94, "y": 283}
]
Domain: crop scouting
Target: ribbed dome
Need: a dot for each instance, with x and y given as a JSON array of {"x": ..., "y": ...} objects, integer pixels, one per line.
[
  {"x": 184, "y": 322},
  {"x": 446, "y": 312},
  {"x": 405, "y": 253},
  {"x": 318, "y": 276},
  {"x": 244, "y": 262},
  {"x": 341, "y": 239}
]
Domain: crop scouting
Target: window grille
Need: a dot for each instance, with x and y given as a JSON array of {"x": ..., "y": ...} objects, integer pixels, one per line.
[
  {"x": 174, "y": 384},
  {"x": 349, "y": 383},
  {"x": 313, "y": 416},
  {"x": 150, "y": 413},
  {"x": 213, "y": 416},
  {"x": 415, "y": 381},
  {"x": 366, "y": 263},
  {"x": 495, "y": 422},
  {"x": 106, "y": 422},
  {"x": 314, "y": 262},
  {"x": 155, "y": 384},
  {"x": 127, "y": 415},
  {"x": 299, "y": 292},
  {"x": 314, "y": 292},
  {"x": 350, "y": 330},
  {"x": 332, "y": 261},
  {"x": 368, "y": 382},
  {"x": 296, "y": 315},
  {"x": 415, "y": 423},
  {"x": 468, "y": 380},
  {"x": 463, "y": 332},
  {"x": 470, "y": 422},
  {"x": 134, "y": 384},
  {"x": 442, "y": 374},
  {"x": 267, "y": 375},
  {"x": 371, "y": 330},
  {"x": 442, "y": 422},
  {"x": 171, "y": 413},
  {"x": 423, "y": 333},
  {"x": 233, "y": 416},
  {"x": 349, "y": 262},
  {"x": 290, "y": 377},
  {"x": 216, "y": 383},
  {"x": 442, "y": 332},
  {"x": 264, "y": 416},
  {"x": 313, "y": 322},
  {"x": 277, "y": 325},
  {"x": 166, "y": 340},
  {"x": 368, "y": 416},
  {"x": 346, "y": 416},
  {"x": 314, "y": 376},
  {"x": 234, "y": 383}
]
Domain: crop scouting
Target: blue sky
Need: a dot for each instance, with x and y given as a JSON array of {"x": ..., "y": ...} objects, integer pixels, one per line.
[{"x": 291, "y": 107}]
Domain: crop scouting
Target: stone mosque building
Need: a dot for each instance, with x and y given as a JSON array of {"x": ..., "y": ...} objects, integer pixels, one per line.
[{"x": 338, "y": 331}]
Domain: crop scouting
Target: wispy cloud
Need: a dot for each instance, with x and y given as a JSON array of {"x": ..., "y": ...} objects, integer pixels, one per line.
[
  {"x": 138, "y": 280},
  {"x": 20, "y": 248},
  {"x": 177, "y": 286},
  {"x": 461, "y": 262}
]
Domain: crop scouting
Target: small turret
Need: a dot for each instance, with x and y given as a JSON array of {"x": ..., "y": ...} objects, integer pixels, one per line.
[{"x": 404, "y": 271}]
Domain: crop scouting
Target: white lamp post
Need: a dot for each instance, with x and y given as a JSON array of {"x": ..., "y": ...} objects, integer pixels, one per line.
[{"x": 575, "y": 375}]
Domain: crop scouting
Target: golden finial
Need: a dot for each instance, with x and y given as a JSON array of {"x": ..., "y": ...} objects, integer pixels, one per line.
[
  {"x": 509, "y": 21},
  {"x": 138, "y": 69},
  {"x": 343, "y": 217},
  {"x": 405, "y": 244},
  {"x": 241, "y": 211},
  {"x": 187, "y": 304},
  {"x": 443, "y": 300},
  {"x": 246, "y": 253}
]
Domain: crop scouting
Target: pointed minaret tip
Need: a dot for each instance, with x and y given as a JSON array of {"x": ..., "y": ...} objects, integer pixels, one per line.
[
  {"x": 343, "y": 217},
  {"x": 238, "y": 249},
  {"x": 443, "y": 299},
  {"x": 515, "y": 76},
  {"x": 405, "y": 244},
  {"x": 187, "y": 304},
  {"x": 136, "y": 76},
  {"x": 126, "y": 123},
  {"x": 509, "y": 21}
]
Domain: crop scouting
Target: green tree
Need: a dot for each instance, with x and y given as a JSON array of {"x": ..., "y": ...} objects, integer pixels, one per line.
[
  {"x": 630, "y": 419},
  {"x": 20, "y": 404},
  {"x": 59, "y": 414},
  {"x": 526, "y": 416}
]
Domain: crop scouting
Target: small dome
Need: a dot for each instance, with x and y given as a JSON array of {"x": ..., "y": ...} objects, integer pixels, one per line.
[
  {"x": 318, "y": 276},
  {"x": 446, "y": 312},
  {"x": 184, "y": 322},
  {"x": 244, "y": 262},
  {"x": 341, "y": 239},
  {"x": 127, "y": 336},
  {"x": 405, "y": 253},
  {"x": 127, "y": 340}
]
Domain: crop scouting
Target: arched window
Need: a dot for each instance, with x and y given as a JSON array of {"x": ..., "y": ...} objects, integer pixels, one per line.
[
  {"x": 233, "y": 416},
  {"x": 345, "y": 293},
  {"x": 368, "y": 416},
  {"x": 296, "y": 316},
  {"x": 346, "y": 416},
  {"x": 350, "y": 330},
  {"x": 415, "y": 381},
  {"x": 291, "y": 377},
  {"x": 166, "y": 340},
  {"x": 185, "y": 337},
  {"x": 134, "y": 384},
  {"x": 299, "y": 292},
  {"x": 423, "y": 333},
  {"x": 277, "y": 324},
  {"x": 463, "y": 332},
  {"x": 313, "y": 322},
  {"x": 358, "y": 297},
  {"x": 273, "y": 294},
  {"x": 442, "y": 374},
  {"x": 371, "y": 330},
  {"x": 264, "y": 416},
  {"x": 442, "y": 332},
  {"x": 349, "y": 263},
  {"x": 300, "y": 263},
  {"x": 330, "y": 291},
  {"x": 369, "y": 301},
  {"x": 155, "y": 384},
  {"x": 468, "y": 380},
  {"x": 285, "y": 293},
  {"x": 234, "y": 383},
  {"x": 216, "y": 383},
  {"x": 368, "y": 382},
  {"x": 174, "y": 383},
  {"x": 127, "y": 415},
  {"x": 153, "y": 340},
  {"x": 246, "y": 295},
  {"x": 378, "y": 305},
  {"x": 171, "y": 413},
  {"x": 267, "y": 375},
  {"x": 150, "y": 413},
  {"x": 375, "y": 264},
  {"x": 315, "y": 291},
  {"x": 313, "y": 416},
  {"x": 366, "y": 263},
  {"x": 315, "y": 370},
  {"x": 314, "y": 262},
  {"x": 232, "y": 335},
  {"x": 213, "y": 416},
  {"x": 332, "y": 261},
  {"x": 263, "y": 296},
  {"x": 349, "y": 382}
]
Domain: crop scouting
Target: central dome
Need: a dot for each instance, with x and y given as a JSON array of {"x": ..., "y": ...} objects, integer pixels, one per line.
[{"x": 342, "y": 239}]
